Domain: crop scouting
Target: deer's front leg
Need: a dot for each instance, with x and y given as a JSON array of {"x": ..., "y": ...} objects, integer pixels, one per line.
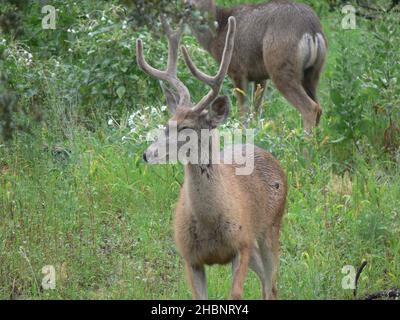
[
  {"x": 240, "y": 268},
  {"x": 197, "y": 280}
]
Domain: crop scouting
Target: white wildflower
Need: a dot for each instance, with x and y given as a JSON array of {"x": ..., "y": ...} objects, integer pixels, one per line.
[
  {"x": 163, "y": 108},
  {"x": 131, "y": 119}
]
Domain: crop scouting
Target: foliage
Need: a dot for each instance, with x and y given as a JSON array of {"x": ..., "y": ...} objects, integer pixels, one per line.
[
  {"x": 10, "y": 23},
  {"x": 75, "y": 194},
  {"x": 365, "y": 83},
  {"x": 384, "y": 69},
  {"x": 8, "y": 101},
  {"x": 144, "y": 13}
]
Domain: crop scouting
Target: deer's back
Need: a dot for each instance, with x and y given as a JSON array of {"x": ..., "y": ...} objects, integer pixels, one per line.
[{"x": 279, "y": 23}]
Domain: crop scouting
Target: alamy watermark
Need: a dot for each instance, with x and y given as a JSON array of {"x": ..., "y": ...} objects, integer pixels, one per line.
[
  {"x": 201, "y": 147},
  {"x": 49, "y": 20},
  {"x": 49, "y": 279},
  {"x": 349, "y": 20},
  {"x": 349, "y": 280}
]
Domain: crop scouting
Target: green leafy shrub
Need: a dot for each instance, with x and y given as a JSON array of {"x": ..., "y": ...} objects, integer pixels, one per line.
[{"x": 349, "y": 95}]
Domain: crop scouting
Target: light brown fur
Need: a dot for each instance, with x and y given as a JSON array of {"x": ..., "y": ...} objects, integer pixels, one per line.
[{"x": 221, "y": 216}]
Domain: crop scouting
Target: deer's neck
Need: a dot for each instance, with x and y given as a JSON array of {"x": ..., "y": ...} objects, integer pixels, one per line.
[
  {"x": 206, "y": 36},
  {"x": 202, "y": 182},
  {"x": 201, "y": 188}
]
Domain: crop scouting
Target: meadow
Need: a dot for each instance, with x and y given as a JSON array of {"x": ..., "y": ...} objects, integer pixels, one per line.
[{"x": 76, "y": 195}]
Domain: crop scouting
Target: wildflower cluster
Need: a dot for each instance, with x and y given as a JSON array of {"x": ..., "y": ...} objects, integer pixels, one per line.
[
  {"x": 19, "y": 54},
  {"x": 140, "y": 122}
]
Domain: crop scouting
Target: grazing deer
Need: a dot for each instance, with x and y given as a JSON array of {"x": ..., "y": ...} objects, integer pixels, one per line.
[
  {"x": 278, "y": 40},
  {"x": 220, "y": 217}
]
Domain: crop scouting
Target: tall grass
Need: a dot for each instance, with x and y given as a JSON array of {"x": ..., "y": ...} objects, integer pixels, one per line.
[{"x": 75, "y": 194}]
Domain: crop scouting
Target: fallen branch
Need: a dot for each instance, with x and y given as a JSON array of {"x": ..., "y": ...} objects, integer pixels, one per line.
[{"x": 360, "y": 269}]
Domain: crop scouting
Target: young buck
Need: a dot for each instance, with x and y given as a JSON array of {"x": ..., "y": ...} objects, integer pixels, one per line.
[
  {"x": 278, "y": 40},
  {"x": 221, "y": 217}
]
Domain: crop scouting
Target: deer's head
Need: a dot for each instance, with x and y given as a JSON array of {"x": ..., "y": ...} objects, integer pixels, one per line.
[{"x": 208, "y": 113}]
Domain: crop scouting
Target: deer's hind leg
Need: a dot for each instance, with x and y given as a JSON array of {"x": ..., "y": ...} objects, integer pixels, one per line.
[
  {"x": 310, "y": 84},
  {"x": 197, "y": 279},
  {"x": 288, "y": 81},
  {"x": 287, "y": 75},
  {"x": 257, "y": 265},
  {"x": 269, "y": 252}
]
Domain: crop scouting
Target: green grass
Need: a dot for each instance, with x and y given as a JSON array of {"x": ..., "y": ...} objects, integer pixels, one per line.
[{"x": 103, "y": 219}]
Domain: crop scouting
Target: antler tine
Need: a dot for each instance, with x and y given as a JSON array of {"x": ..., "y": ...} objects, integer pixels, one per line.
[
  {"x": 170, "y": 74},
  {"x": 174, "y": 38},
  {"x": 214, "y": 82}
]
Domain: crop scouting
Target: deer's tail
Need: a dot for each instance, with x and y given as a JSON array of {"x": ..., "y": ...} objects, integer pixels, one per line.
[{"x": 312, "y": 50}]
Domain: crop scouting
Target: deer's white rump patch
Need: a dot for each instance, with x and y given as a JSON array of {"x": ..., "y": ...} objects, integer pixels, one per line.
[{"x": 311, "y": 49}]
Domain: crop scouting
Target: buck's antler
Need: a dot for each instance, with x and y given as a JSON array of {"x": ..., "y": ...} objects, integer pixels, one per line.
[
  {"x": 170, "y": 74},
  {"x": 214, "y": 82}
]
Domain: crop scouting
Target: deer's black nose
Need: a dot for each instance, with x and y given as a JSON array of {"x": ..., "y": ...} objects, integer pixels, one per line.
[{"x": 144, "y": 157}]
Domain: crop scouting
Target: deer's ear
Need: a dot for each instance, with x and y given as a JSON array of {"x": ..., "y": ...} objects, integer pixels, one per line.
[
  {"x": 219, "y": 111},
  {"x": 171, "y": 97}
]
